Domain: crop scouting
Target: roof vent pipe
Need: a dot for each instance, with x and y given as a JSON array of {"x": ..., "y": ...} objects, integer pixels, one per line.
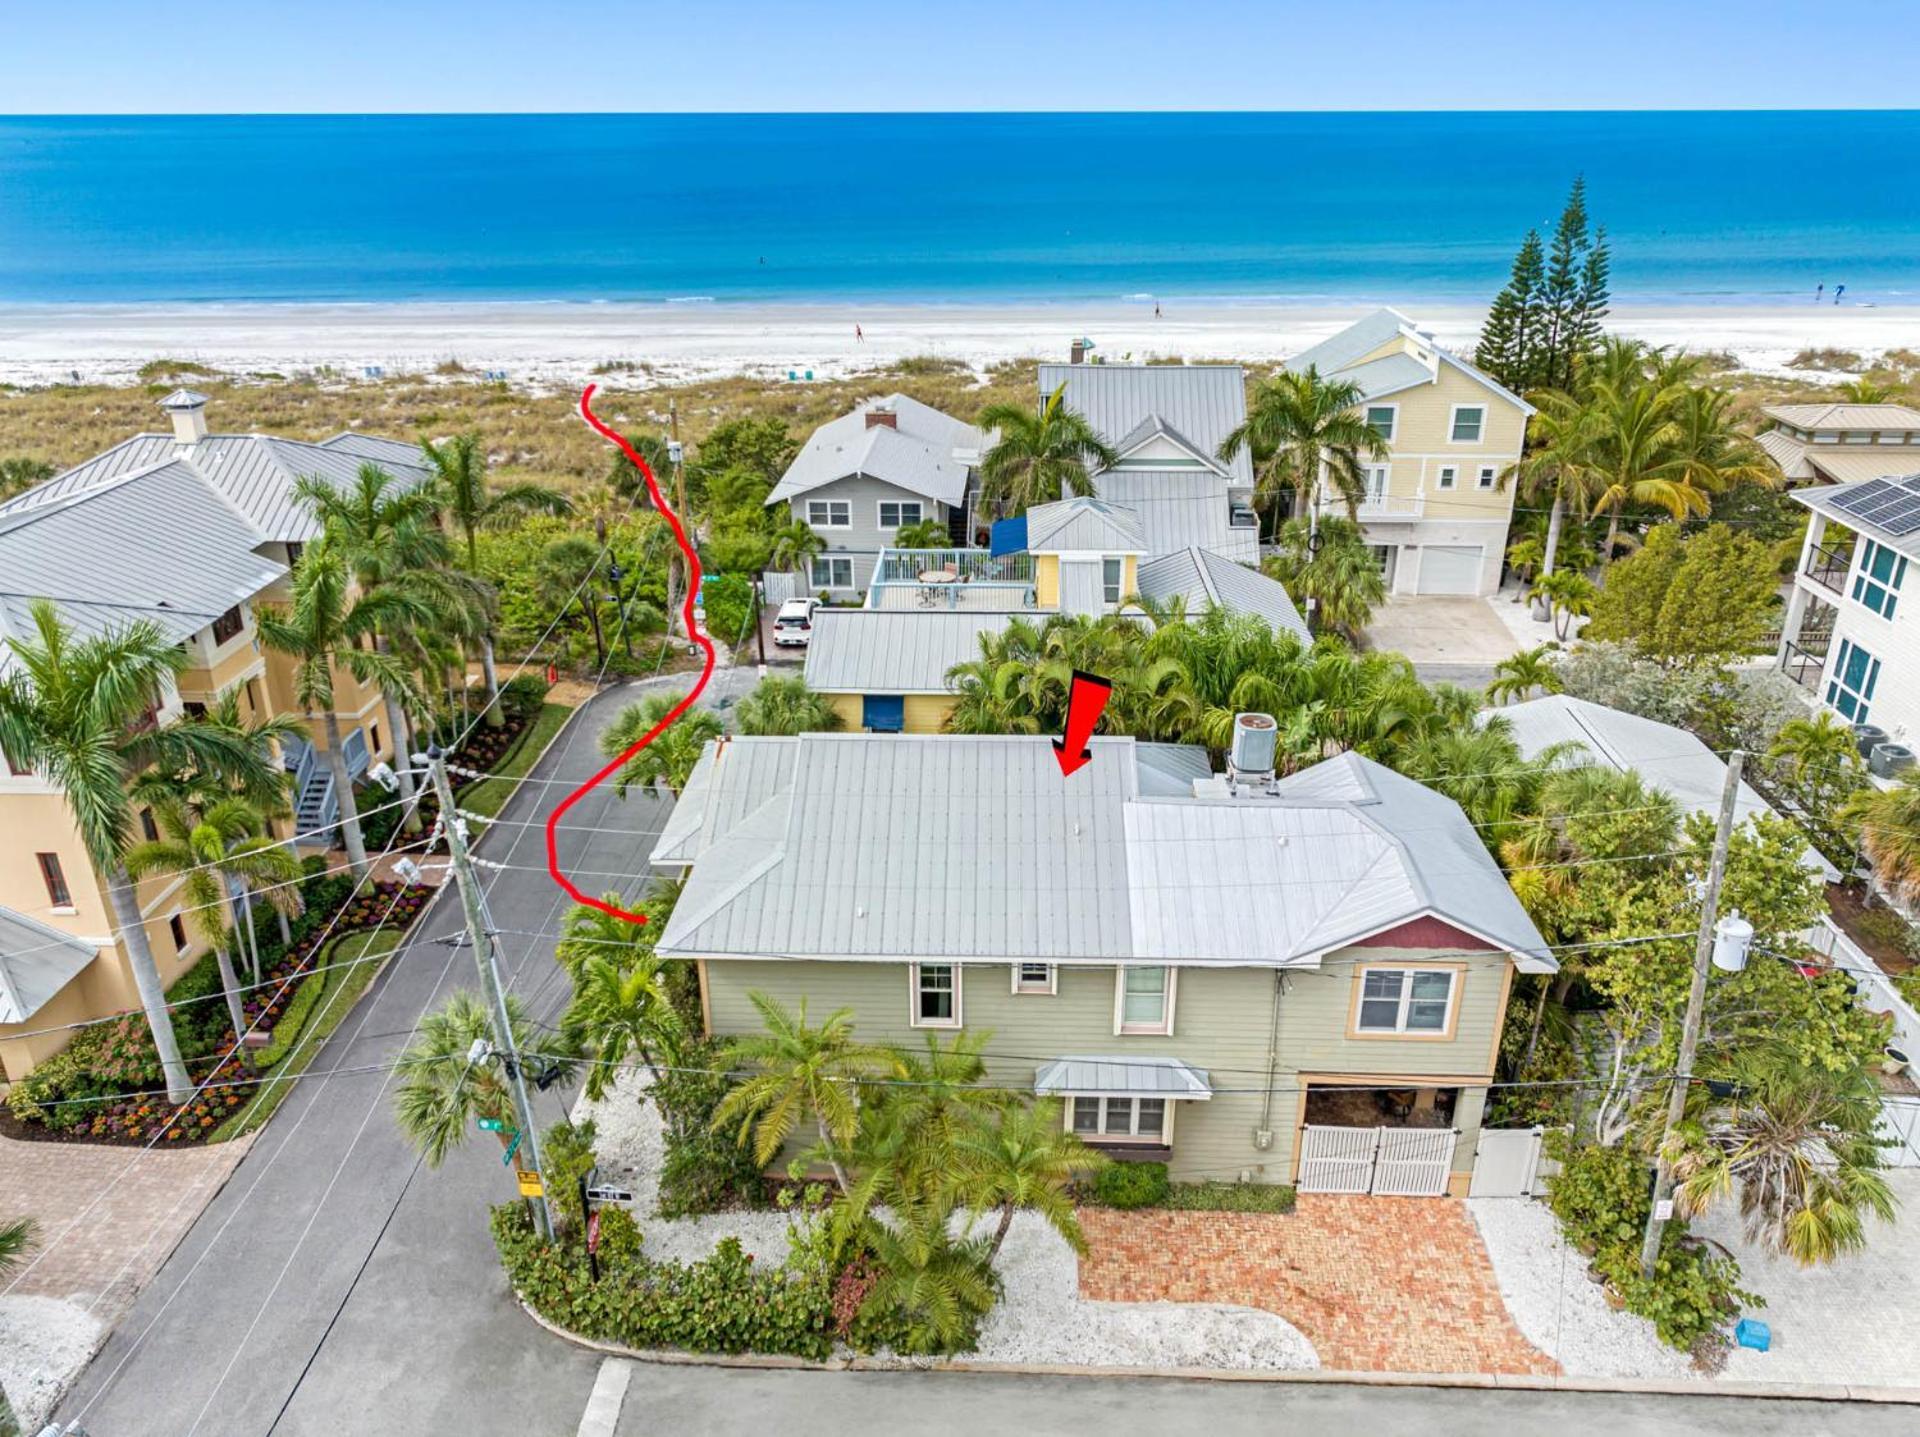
[{"x": 1256, "y": 738}]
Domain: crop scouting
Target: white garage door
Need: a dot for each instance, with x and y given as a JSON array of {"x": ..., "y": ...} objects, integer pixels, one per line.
[{"x": 1450, "y": 568}]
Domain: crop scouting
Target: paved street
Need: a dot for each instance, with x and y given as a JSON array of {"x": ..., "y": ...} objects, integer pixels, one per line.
[{"x": 430, "y": 1341}]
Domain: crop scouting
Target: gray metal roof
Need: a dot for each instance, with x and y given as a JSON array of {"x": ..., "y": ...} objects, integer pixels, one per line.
[
  {"x": 1340, "y": 356},
  {"x": 1155, "y": 427},
  {"x": 1170, "y": 770},
  {"x": 925, "y": 452},
  {"x": 890, "y": 847},
  {"x": 1203, "y": 403},
  {"x": 1205, "y": 578},
  {"x": 1084, "y": 525},
  {"x": 1180, "y": 509},
  {"x": 1128, "y": 1077},
  {"x": 1667, "y": 758},
  {"x": 184, "y": 399},
  {"x": 255, "y": 473},
  {"x": 36, "y": 962},
  {"x": 157, "y": 544},
  {"x": 378, "y": 448},
  {"x": 893, "y": 651},
  {"x": 1844, "y": 415}
]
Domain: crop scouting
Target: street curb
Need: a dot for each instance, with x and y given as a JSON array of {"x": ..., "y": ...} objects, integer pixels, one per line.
[{"x": 1505, "y": 1382}]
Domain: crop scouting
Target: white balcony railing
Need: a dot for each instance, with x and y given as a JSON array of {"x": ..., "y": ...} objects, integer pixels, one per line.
[{"x": 1391, "y": 506}]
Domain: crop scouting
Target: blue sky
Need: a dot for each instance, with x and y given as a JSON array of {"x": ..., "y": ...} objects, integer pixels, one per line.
[{"x": 115, "y": 56}]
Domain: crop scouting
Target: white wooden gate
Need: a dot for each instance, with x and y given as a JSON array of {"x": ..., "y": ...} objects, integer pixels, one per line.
[
  {"x": 1388, "y": 1162},
  {"x": 1900, "y": 1125},
  {"x": 1337, "y": 1160},
  {"x": 1414, "y": 1162},
  {"x": 779, "y": 585},
  {"x": 1506, "y": 1162}
]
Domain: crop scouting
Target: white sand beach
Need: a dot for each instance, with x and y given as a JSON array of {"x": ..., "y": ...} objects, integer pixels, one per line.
[{"x": 636, "y": 344}]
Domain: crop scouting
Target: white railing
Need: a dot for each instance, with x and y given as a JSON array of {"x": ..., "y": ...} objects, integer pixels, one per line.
[{"x": 1391, "y": 506}]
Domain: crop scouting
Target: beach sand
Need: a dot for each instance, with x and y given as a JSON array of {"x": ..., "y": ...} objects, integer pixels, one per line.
[{"x": 542, "y": 344}]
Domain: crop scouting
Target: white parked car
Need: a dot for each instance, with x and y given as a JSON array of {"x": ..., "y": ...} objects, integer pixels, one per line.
[{"x": 793, "y": 625}]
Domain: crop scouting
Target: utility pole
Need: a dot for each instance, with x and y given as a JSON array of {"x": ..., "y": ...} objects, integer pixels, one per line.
[
  {"x": 676, "y": 575},
  {"x": 1696, "y": 1002},
  {"x": 480, "y": 934},
  {"x": 759, "y": 621}
]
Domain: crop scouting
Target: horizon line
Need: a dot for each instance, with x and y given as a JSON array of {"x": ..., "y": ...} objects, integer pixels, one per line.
[{"x": 1515, "y": 109}]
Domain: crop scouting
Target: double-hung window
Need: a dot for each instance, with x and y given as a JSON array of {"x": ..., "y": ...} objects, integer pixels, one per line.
[
  {"x": 935, "y": 995},
  {"x": 1418, "y": 1001},
  {"x": 900, "y": 514},
  {"x": 227, "y": 625},
  {"x": 1143, "y": 1000},
  {"x": 1877, "y": 585},
  {"x": 1488, "y": 474},
  {"x": 830, "y": 513},
  {"x": 56, "y": 880},
  {"x": 1448, "y": 474},
  {"x": 1468, "y": 421},
  {"x": 1141, "y": 1120},
  {"x": 1112, "y": 573},
  {"x": 1850, "y": 688},
  {"x": 1033, "y": 978},
  {"x": 832, "y": 573},
  {"x": 1381, "y": 419}
]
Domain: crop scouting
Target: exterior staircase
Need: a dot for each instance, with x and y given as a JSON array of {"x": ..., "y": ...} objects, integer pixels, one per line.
[{"x": 316, "y": 807}]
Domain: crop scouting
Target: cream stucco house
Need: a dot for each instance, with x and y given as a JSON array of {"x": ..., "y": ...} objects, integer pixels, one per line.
[
  {"x": 189, "y": 530},
  {"x": 1436, "y": 511}
]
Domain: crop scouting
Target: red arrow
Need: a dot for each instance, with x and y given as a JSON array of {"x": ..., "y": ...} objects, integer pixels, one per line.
[{"x": 1085, "y": 702}]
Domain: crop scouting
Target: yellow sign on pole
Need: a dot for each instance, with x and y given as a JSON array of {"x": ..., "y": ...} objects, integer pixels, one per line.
[{"x": 530, "y": 1184}]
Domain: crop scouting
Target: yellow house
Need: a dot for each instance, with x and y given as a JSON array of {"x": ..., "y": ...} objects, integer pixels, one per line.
[
  {"x": 189, "y": 531},
  {"x": 1436, "y": 510}
]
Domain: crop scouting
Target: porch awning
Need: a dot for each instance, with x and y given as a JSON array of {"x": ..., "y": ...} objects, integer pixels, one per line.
[
  {"x": 36, "y": 961},
  {"x": 1140, "y": 1077}
]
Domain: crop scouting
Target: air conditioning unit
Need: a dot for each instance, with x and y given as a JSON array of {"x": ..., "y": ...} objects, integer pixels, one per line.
[
  {"x": 1890, "y": 760},
  {"x": 1256, "y": 739},
  {"x": 1867, "y": 737}
]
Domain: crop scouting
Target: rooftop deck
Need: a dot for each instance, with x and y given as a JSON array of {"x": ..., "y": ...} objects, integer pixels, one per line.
[{"x": 969, "y": 579}]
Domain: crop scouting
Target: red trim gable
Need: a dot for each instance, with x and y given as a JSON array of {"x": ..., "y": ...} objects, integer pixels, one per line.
[{"x": 1425, "y": 933}]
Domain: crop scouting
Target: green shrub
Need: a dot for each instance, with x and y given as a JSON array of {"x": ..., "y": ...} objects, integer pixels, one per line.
[
  {"x": 1229, "y": 1197},
  {"x": 703, "y": 1170},
  {"x": 1602, "y": 1196},
  {"x": 293, "y": 1018},
  {"x": 720, "y": 1304},
  {"x": 1131, "y": 1185},
  {"x": 522, "y": 695}
]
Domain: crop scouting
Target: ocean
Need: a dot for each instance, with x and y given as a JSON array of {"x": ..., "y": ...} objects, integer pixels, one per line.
[{"x": 1702, "y": 208}]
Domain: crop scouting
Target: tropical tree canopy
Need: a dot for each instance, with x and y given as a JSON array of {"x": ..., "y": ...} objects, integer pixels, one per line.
[
  {"x": 1039, "y": 455},
  {"x": 671, "y": 755},
  {"x": 1302, "y": 428}
]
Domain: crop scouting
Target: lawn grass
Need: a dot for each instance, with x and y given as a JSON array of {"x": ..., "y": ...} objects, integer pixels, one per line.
[
  {"x": 344, "y": 986},
  {"x": 488, "y": 796}
]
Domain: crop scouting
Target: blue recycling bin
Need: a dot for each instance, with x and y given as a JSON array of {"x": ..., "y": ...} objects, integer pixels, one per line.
[{"x": 1751, "y": 1332}]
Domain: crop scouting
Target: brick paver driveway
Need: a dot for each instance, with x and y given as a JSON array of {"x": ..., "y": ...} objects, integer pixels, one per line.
[
  {"x": 100, "y": 1253},
  {"x": 1377, "y": 1284}
]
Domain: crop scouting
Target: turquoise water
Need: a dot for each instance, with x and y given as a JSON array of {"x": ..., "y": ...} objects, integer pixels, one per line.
[{"x": 1702, "y": 207}]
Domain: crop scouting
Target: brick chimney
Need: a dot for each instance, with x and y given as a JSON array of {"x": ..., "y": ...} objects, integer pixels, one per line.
[
  {"x": 882, "y": 416},
  {"x": 188, "y": 411},
  {"x": 1077, "y": 352}
]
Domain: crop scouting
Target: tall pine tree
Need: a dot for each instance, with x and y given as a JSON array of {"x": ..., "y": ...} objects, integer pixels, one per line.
[
  {"x": 1510, "y": 338},
  {"x": 1547, "y": 319}
]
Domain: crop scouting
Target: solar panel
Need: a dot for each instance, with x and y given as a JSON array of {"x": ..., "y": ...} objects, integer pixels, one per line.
[
  {"x": 1867, "y": 495},
  {"x": 1902, "y": 519}
]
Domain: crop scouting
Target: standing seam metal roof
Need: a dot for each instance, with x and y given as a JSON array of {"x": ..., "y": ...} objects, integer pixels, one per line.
[
  {"x": 36, "y": 962},
  {"x": 894, "y": 651},
  {"x": 1203, "y": 403},
  {"x": 1207, "y": 578},
  {"x": 1084, "y": 525}
]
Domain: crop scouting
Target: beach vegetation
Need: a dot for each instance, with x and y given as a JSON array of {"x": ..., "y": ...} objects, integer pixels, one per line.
[
  {"x": 1844, "y": 361},
  {"x": 20, "y": 473},
  {"x": 1547, "y": 321},
  {"x": 1708, "y": 596}
]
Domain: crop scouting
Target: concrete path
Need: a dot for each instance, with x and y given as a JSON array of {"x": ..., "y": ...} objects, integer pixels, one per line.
[{"x": 1430, "y": 629}]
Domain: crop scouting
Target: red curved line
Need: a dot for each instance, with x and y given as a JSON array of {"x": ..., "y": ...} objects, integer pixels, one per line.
[{"x": 706, "y": 672}]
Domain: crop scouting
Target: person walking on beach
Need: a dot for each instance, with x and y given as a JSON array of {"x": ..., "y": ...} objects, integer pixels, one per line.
[
  {"x": 1819, "y": 291},
  {"x": 858, "y": 337},
  {"x": 1838, "y": 290},
  {"x": 1156, "y": 309}
]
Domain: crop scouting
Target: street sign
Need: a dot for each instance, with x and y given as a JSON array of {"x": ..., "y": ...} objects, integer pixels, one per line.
[
  {"x": 506, "y": 1158},
  {"x": 593, "y": 1233},
  {"x": 605, "y": 1193},
  {"x": 530, "y": 1184},
  {"x": 491, "y": 1125}
]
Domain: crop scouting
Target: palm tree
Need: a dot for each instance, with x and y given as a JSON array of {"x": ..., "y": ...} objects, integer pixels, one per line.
[
  {"x": 1715, "y": 454},
  {"x": 1025, "y": 1159},
  {"x": 936, "y": 1092},
  {"x": 1480, "y": 768},
  {"x": 1889, "y": 821},
  {"x": 621, "y": 1009},
  {"x": 798, "y": 1074},
  {"x": 1635, "y": 456},
  {"x": 214, "y": 852},
  {"x": 1808, "y": 748},
  {"x": 1302, "y": 428},
  {"x": 674, "y": 751},
  {"x": 940, "y": 1285},
  {"x": 1558, "y": 465},
  {"x": 1798, "y": 1143},
  {"x": 1569, "y": 596},
  {"x": 1330, "y": 569},
  {"x": 927, "y": 534},
  {"x": 391, "y": 544},
  {"x": 78, "y": 712},
  {"x": 1518, "y": 675},
  {"x": 787, "y": 706},
  {"x": 588, "y": 932},
  {"x": 324, "y": 631},
  {"x": 1038, "y": 456},
  {"x": 1865, "y": 391},
  {"x": 462, "y": 493},
  {"x": 794, "y": 545},
  {"x": 442, "y": 1090},
  {"x": 16, "y": 1238}
]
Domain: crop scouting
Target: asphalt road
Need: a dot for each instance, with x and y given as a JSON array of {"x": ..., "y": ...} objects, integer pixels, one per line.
[{"x": 324, "y": 1293}]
